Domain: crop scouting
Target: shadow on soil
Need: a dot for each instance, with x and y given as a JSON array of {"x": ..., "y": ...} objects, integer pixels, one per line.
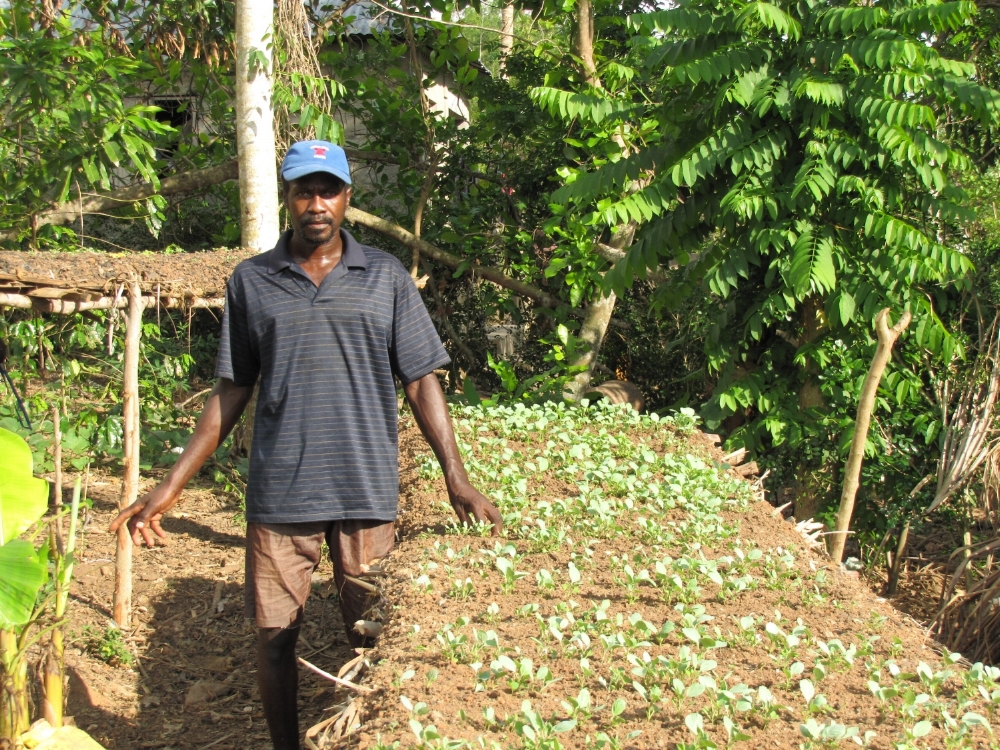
[
  {"x": 195, "y": 632},
  {"x": 202, "y": 532}
]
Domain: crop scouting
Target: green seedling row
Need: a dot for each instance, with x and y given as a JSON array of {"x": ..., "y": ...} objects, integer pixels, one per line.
[{"x": 646, "y": 613}]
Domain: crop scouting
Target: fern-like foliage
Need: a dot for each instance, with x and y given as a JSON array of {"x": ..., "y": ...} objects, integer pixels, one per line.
[{"x": 798, "y": 155}]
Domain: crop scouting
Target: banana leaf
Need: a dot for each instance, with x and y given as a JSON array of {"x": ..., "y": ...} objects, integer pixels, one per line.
[
  {"x": 23, "y": 500},
  {"x": 23, "y": 497}
]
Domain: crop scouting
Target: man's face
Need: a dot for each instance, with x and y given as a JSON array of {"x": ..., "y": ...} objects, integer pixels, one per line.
[{"x": 316, "y": 205}]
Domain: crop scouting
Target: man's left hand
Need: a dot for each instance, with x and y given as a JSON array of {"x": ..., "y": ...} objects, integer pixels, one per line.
[{"x": 471, "y": 506}]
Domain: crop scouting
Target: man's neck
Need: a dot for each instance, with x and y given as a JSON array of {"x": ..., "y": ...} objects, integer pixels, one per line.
[{"x": 305, "y": 253}]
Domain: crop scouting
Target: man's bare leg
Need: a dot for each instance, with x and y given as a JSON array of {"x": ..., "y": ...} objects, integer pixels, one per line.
[{"x": 278, "y": 681}]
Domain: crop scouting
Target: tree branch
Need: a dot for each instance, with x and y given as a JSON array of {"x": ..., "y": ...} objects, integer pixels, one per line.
[
  {"x": 185, "y": 182},
  {"x": 613, "y": 255},
  {"x": 427, "y": 250},
  {"x": 866, "y": 403}
]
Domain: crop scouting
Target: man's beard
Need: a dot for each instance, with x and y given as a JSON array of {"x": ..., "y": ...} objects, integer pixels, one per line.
[{"x": 317, "y": 227}]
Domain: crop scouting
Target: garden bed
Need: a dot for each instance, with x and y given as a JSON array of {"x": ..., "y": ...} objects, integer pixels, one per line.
[
  {"x": 634, "y": 561},
  {"x": 644, "y": 597}
]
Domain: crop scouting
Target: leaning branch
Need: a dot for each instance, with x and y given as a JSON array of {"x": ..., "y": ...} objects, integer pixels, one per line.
[
  {"x": 184, "y": 182},
  {"x": 427, "y": 250},
  {"x": 866, "y": 404}
]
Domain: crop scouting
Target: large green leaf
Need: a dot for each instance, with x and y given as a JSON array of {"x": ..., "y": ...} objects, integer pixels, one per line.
[
  {"x": 23, "y": 497},
  {"x": 24, "y": 573}
]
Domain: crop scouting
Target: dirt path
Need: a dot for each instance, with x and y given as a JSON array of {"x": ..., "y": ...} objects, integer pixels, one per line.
[{"x": 178, "y": 641}]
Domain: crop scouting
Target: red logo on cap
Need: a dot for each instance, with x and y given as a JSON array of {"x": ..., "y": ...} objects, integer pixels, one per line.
[{"x": 319, "y": 152}]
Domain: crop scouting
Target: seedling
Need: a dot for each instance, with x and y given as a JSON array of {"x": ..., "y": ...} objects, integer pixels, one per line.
[
  {"x": 617, "y": 709},
  {"x": 544, "y": 580},
  {"x": 766, "y": 709},
  {"x": 510, "y": 574},
  {"x": 785, "y": 644},
  {"x": 536, "y": 733},
  {"x": 454, "y": 645},
  {"x": 835, "y": 654},
  {"x": 932, "y": 681},
  {"x": 461, "y": 590},
  {"x": 702, "y": 740},
  {"x": 959, "y": 731},
  {"x": 826, "y": 735},
  {"x": 428, "y": 736},
  {"x": 574, "y": 576},
  {"x": 792, "y": 672},
  {"x": 604, "y": 741},
  {"x": 109, "y": 646},
  {"x": 578, "y": 707},
  {"x": 816, "y": 703},
  {"x": 653, "y": 695},
  {"x": 911, "y": 734}
]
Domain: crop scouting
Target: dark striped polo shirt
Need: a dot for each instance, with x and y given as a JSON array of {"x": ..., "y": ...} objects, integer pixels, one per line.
[{"x": 324, "y": 442}]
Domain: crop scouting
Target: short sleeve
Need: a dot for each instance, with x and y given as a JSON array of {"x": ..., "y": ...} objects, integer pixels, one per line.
[
  {"x": 237, "y": 359},
  {"x": 415, "y": 347}
]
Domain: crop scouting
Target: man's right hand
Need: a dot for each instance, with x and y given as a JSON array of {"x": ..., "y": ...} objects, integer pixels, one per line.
[
  {"x": 145, "y": 514},
  {"x": 221, "y": 412}
]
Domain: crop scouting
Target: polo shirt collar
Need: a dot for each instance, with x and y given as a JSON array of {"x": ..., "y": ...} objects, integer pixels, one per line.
[{"x": 353, "y": 253}]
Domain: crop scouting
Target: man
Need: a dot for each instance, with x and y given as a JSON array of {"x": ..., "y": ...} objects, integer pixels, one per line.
[{"x": 324, "y": 324}]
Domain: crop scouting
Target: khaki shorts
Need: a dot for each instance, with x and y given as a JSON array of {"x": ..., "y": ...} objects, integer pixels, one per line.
[{"x": 281, "y": 558}]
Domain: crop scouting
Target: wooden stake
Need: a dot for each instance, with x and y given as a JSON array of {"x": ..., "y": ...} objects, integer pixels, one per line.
[
  {"x": 130, "y": 481},
  {"x": 852, "y": 473},
  {"x": 896, "y": 566}
]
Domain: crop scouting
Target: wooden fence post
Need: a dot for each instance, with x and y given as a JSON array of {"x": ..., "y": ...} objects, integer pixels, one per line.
[{"x": 130, "y": 481}]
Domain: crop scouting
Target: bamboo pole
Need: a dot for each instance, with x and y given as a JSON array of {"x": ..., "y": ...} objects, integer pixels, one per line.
[
  {"x": 55, "y": 662},
  {"x": 52, "y": 666},
  {"x": 130, "y": 481},
  {"x": 57, "y": 456},
  {"x": 852, "y": 473}
]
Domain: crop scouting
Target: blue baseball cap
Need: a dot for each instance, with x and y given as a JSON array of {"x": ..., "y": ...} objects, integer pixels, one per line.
[{"x": 307, "y": 157}]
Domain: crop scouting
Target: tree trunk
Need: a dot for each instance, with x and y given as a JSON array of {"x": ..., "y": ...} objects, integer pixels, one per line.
[
  {"x": 506, "y": 30},
  {"x": 255, "y": 125},
  {"x": 592, "y": 331},
  {"x": 585, "y": 41},
  {"x": 814, "y": 484},
  {"x": 130, "y": 443},
  {"x": 852, "y": 472},
  {"x": 595, "y": 325},
  {"x": 598, "y": 318},
  {"x": 255, "y": 148},
  {"x": 897, "y": 561}
]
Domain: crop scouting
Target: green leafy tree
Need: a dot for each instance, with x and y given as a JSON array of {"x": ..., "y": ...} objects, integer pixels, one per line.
[
  {"x": 795, "y": 163},
  {"x": 67, "y": 124}
]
